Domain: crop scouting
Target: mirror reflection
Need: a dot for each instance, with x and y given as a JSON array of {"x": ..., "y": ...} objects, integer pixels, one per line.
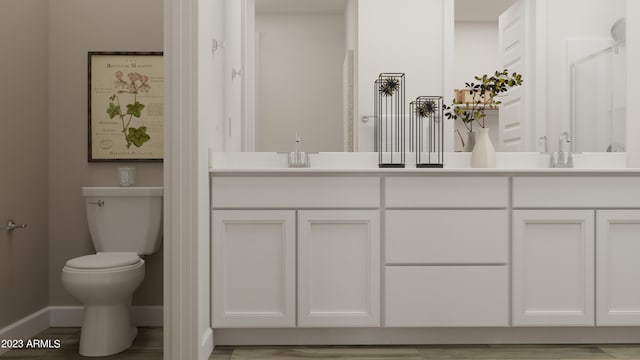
[{"x": 308, "y": 66}]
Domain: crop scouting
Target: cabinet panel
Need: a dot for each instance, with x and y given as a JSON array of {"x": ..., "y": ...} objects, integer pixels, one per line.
[
  {"x": 446, "y": 236},
  {"x": 339, "y": 268},
  {"x": 576, "y": 192},
  {"x": 446, "y": 192},
  {"x": 618, "y": 267},
  {"x": 253, "y": 256},
  {"x": 291, "y": 192},
  {"x": 553, "y": 267},
  {"x": 432, "y": 296}
]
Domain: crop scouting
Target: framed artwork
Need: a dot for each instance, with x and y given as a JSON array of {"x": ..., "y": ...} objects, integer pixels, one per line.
[{"x": 126, "y": 106}]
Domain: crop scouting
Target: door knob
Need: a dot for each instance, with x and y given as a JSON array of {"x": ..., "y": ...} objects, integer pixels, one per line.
[{"x": 11, "y": 225}]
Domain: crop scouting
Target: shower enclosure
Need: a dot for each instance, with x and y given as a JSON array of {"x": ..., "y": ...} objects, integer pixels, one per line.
[{"x": 598, "y": 93}]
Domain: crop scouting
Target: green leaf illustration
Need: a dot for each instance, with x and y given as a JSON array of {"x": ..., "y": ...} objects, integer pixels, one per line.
[
  {"x": 135, "y": 109},
  {"x": 137, "y": 136},
  {"x": 113, "y": 110}
]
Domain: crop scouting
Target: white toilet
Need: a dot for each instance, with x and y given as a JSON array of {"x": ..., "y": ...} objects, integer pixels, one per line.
[{"x": 124, "y": 222}]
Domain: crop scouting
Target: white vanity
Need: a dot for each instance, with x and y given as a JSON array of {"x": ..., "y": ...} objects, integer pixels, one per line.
[{"x": 453, "y": 255}]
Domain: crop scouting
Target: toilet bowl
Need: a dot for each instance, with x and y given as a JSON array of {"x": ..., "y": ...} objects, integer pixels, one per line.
[
  {"x": 104, "y": 283},
  {"x": 124, "y": 223}
]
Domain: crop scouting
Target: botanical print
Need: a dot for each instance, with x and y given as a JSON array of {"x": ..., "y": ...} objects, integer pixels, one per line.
[
  {"x": 126, "y": 106},
  {"x": 137, "y": 83}
]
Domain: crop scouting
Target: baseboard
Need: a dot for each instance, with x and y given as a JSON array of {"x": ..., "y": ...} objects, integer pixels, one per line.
[
  {"x": 206, "y": 344},
  {"x": 415, "y": 336},
  {"x": 26, "y": 327},
  {"x": 71, "y": 316}
]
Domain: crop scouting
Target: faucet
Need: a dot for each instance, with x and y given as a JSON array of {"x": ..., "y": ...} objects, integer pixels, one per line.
[
  {"x": 298, "y": 158},
  {"x": 564, "y": 158}
]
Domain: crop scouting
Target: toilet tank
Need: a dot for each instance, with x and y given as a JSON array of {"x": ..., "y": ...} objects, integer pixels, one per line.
[{"x": 124, "y": 219}]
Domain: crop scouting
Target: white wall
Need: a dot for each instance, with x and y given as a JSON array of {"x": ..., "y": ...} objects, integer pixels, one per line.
[
  {"x": 571, "y": 19},
  {"x": 351, "y": 24},
  {"x": 300, "y": 81},
  {"x": 633, "y": 78},
  {"x": 210, "y": 70},
  {"x": 232, "y": 121},
  {"x": 398, "y": 36},
  {"x": 210, "y": 136},
  {"x": 351, "y": 30},
  {"x": 476, "y": 52}
]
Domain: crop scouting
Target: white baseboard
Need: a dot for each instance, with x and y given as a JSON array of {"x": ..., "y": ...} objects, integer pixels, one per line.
[
  {"x": 26, "y": 327},
  {"x": 435, "y": 336},
  {"x": 206, "y": 344},
  {"x": 71, "y": 316}
]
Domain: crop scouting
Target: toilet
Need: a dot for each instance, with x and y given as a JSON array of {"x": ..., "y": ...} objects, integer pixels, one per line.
[{"x": 124, "y": 223}]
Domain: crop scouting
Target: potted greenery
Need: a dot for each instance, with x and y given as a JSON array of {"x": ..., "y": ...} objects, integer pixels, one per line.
[{"x": 483, "y": 96}]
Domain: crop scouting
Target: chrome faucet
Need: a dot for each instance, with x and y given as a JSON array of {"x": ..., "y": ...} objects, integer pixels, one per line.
[
  {"x": 298, "y": 158},
  {"x": 564, "y": 159}
]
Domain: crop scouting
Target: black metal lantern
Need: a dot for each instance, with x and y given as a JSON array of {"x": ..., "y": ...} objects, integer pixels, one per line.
[
  {"x": 390, "y": 114},
  {"x": 427, "y": 131}
]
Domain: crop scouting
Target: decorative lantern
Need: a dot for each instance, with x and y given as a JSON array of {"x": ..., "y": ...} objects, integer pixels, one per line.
[
  {"x": 427, "y": 131},
  {"x": 390, "y": 119}
]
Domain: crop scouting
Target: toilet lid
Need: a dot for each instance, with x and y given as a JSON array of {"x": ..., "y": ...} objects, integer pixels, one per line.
[{"x": 103, "y": 260}]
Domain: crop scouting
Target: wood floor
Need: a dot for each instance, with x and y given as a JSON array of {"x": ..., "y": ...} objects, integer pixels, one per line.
[{"x": 148, "y": 345}]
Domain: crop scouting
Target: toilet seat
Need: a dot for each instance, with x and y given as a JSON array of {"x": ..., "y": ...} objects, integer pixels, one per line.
[{"x": 104, "y": 261}]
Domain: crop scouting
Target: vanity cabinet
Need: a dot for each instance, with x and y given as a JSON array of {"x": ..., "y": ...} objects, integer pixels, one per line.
[
  {"x": 338, "y": 268},
  {"x": 553, "y": 267},
  {"x": 618, "y": 267},
  {"x": 446, "y": 252},
  {"x": 289, "y": 251},
  {"x": 575, "y": 251},
  {"x": 408, "y": 250},
  {"x": 254, "y": 268}
]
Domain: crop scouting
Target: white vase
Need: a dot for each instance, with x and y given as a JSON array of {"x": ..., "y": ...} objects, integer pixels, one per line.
[
  {"x": 471, "y": 142},
  {"x": 483, "y": 154}
]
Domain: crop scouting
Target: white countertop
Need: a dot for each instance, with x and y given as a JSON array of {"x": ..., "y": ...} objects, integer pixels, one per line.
[{"x": 454, "y": 163}]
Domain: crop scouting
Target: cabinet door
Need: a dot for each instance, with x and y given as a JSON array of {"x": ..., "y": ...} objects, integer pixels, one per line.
[
  {"x": 553, "y": 267},
  {"x": 253, "y": 276},
  {"x": 339, "y": 268},
  {"x": 618, "y": 267}
]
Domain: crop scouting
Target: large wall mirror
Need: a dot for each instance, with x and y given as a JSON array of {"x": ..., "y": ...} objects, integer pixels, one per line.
[{"x": 307, "y": 66}]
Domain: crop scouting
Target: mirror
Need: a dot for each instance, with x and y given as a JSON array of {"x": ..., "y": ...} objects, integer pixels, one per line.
[
  {"x": 308, "y": 66},
  {"x": 300, "y": 51}
]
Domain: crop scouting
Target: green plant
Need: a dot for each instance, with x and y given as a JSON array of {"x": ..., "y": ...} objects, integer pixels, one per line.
[
  {"x": 138, "y": 83},
  {"x": 483, "y": 97}
]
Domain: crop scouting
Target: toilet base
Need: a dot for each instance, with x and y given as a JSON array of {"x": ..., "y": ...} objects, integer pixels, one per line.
[{"x": 106, "y": 329}]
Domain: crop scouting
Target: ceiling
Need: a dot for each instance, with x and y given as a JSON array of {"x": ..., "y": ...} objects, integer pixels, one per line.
[
  {"x": 301, "y": 6},
  {"x": 481, "y": 10}
]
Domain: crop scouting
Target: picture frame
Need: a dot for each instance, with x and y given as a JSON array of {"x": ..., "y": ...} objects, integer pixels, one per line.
[{"x": 125, "y": 106}]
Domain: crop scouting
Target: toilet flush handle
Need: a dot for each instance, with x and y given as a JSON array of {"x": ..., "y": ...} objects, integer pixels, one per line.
[{"x": 99, "y": 203}]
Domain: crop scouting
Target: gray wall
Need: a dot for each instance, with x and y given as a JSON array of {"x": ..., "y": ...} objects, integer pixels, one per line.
[
  {"x": 76, "y": 27},
  {"x": 23, "y": 158}
]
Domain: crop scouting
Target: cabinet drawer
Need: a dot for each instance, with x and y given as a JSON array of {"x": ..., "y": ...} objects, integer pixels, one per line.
[
  {"x": 576, "y": 192},
  {"x": 446, "y": 192},
  {"x": 434, "y": 296},
  {"x": 446, "y": 236},
  {"x": 295, "y": 192}
]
